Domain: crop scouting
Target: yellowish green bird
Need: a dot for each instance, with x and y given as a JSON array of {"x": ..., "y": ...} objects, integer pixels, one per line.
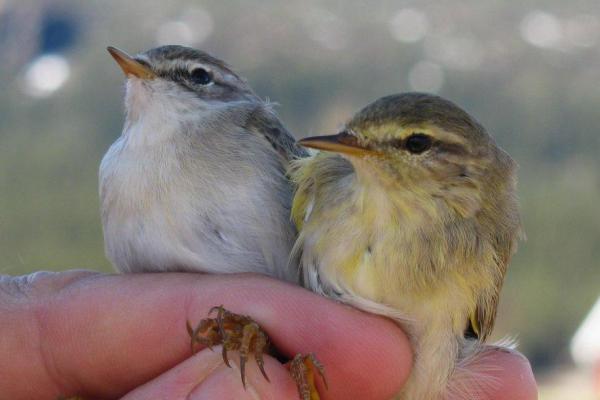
[{"x": 410, "y": 212}]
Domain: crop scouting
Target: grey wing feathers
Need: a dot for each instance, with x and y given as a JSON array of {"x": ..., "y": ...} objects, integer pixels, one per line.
[{"x": 265, "y": 123}]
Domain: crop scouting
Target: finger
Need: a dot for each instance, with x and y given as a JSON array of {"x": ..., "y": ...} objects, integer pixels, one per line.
[
  {"x": 180, "y": 380},
  {"x": 514, "y": 373},
  {"x": 365, "y": 356},
  {"x": 225, "y": 384},
  {"x": 104, "y": 335},
  {"x": 496, "y": 373},
  {"x": 205, "y": 376}
]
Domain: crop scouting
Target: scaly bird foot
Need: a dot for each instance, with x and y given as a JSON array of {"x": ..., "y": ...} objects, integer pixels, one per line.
[
  {"x": 303, "y": 368},
  {"x": 242, "y": 333},
  {"x": 234, "y": 332}
]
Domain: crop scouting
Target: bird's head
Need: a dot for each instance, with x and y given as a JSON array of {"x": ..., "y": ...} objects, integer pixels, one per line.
[
  {"x": 180, "y": 80},
  {"x": 424, "y": 149}
]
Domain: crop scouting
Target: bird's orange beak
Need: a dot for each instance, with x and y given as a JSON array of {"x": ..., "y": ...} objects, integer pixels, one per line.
[
  {"x": 343, "y": 142},
  {"x": 129, "y": 65}
]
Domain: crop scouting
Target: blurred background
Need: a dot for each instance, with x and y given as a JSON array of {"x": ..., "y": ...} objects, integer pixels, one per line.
[{"x": 528, "y": 70}]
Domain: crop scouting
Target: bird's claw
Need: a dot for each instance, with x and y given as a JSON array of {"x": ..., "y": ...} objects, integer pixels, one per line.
[
  {"x": 303, "y": 368},
  {"x": 242, "y": 333},
  {"x": 233, "y": 332}
]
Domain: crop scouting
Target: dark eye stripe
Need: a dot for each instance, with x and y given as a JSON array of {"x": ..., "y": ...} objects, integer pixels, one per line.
[
  {"x": 407, "y": 143},
  {"x": 177, "y": 74},
  {"x": 143, "y": 62},
  {"x": 397, "y": 143},
  {"x": 180, "y": 75},
  {"x": 451, "y": 148},
  {"x": 438, "y": 145}
]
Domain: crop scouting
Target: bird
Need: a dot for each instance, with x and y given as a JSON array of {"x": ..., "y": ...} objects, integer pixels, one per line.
[
  {"x": 197, "y": 179},
  {"x": 410, "y": 211},
  {"x": 196, "y": 182}
]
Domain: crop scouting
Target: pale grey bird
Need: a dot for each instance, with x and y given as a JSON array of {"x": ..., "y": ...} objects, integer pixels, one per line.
[{"x": 196, "y": 181}]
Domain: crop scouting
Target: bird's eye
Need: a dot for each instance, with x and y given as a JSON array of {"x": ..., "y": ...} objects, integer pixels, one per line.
[
  {"x": 418, "y": 143},
  {"x": 201, "y": 76}
]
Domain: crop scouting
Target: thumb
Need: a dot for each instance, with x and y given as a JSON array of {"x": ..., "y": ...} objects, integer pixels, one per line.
[{"x": 205, "y": 376}]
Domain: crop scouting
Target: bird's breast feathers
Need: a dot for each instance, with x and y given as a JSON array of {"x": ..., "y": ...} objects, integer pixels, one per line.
[
  {"x": 357, "y": 242},
  {"x": 162, "y": 209}
]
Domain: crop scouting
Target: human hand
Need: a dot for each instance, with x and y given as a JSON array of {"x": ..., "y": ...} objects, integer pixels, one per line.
[{"x": 107, "y": 336}]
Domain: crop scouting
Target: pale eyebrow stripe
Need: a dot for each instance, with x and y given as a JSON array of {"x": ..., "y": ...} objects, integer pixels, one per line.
[
  {"x": 190, "y": 65},
  {"x": 440, "y": 135},
  {"x": 143, "y": 58}
]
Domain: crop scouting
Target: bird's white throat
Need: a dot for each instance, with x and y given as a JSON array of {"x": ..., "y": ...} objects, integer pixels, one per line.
[{"x": 157, "y": 109}]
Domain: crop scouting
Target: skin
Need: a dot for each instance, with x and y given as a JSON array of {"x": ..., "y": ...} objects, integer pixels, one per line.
[{"x": 108, "y": 336}]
